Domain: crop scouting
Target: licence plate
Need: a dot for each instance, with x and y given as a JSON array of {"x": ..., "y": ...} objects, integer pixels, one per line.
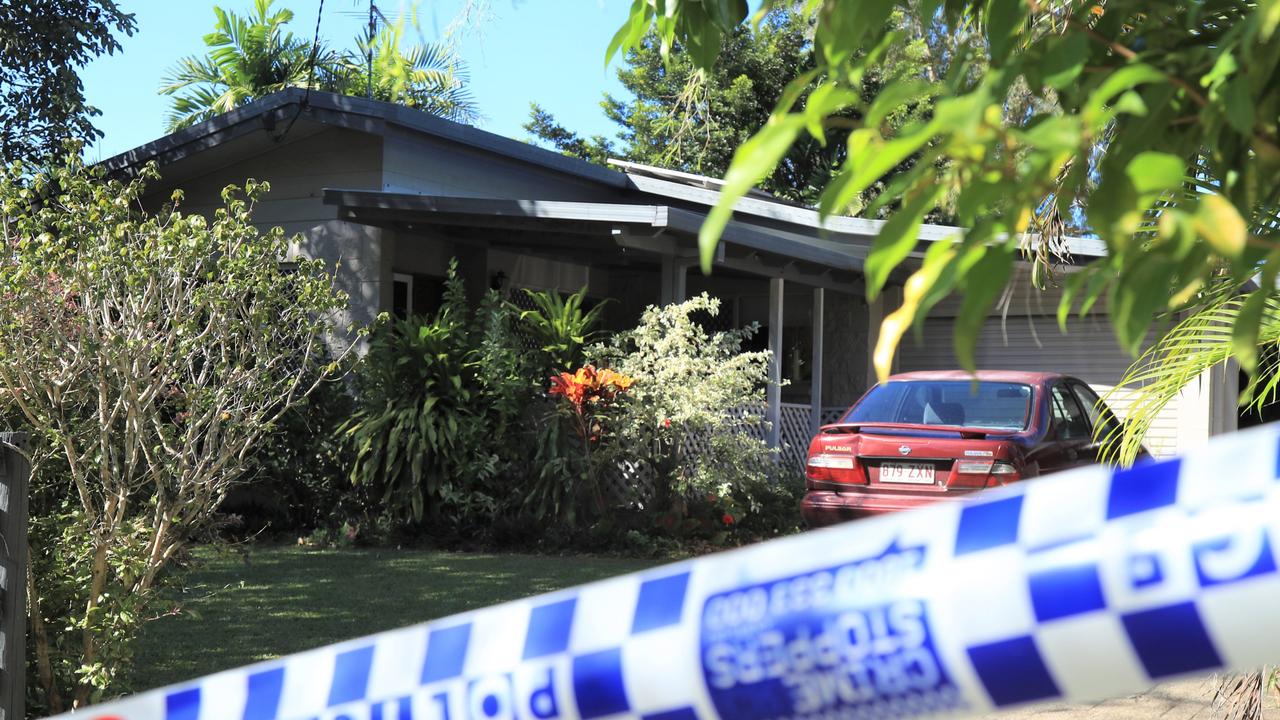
[{"x": 919, "y": 473}]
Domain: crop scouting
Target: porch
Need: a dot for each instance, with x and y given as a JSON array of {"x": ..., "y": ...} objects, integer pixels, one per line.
[{"x": 805, "y": 294}]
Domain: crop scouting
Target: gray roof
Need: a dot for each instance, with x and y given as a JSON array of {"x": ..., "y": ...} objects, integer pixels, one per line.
[{"x": 278, "y": 112}]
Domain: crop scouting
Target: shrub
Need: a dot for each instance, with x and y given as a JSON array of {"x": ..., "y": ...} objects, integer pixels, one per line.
[
  {"x": 148, "y": 354},
  {"x": 588, "y": 408},
  {"x": 559, "y": 327},
  {"x": 439, "y": 401},
  {"x": 301, "y": 476},
  {"x": 688, "y": 421}
]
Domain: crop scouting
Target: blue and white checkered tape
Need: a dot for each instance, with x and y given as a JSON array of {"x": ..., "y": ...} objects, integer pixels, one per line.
[{"x": 1084, "y": 585}]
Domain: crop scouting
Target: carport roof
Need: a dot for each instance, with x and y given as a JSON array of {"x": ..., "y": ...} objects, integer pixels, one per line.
[{"x": 656, "y": 229}]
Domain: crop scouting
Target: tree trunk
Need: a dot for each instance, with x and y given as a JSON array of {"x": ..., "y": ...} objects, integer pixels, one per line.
[
  {"x": 44, "y": 671},
  {"x": 97, "y": 585}
]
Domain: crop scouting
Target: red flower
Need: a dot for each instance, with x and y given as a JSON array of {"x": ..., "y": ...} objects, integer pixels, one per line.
[
  {"x": 666, "y": 422},
  {"x": 727, "y": 519}
]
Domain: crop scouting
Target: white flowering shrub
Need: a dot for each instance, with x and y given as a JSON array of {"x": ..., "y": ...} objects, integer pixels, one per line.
[{"x": 685, "y": 420}]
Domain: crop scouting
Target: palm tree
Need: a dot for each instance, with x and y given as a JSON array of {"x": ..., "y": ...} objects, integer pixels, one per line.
[
  {"x": 426, "y": 76},
  {"x": 248, "y": 57}
]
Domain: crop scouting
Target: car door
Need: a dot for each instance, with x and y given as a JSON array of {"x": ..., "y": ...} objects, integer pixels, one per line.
[
  {"x": 1069, "y": 434},
  {"x": 1102, "y": 423}
]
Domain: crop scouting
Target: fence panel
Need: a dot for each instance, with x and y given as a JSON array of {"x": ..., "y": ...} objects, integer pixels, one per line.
[{"x": 14, "y": 477}]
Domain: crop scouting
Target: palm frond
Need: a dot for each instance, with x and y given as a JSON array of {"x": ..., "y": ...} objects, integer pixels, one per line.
[
  {"x": 248, "y": 57},
  {"x": 1204, "y": 339}
]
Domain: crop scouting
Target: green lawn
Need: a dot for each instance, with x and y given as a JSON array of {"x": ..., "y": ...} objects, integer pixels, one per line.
[{"x": 239, "y": 609}]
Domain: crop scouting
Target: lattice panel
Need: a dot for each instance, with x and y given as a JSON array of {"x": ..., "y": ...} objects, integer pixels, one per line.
[
  {"x": 794, "y": 435},
  {"x": 631, "y": 482},
  {"x": 833, "y": 414},
  {"x": 627, "y": 483},
  {"x": 519, "y": 298}
]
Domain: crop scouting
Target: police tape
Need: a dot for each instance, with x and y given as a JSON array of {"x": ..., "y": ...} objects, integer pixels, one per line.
[{"x": 1081, "y": 586}]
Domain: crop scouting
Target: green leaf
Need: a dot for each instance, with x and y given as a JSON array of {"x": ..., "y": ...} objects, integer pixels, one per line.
[
  {"x": 632, "y": 30},
  {"x": 753, "y": 161},
  {"x": 897, "y": 238},
  {"x": 1270, "y": 13},
  {"x": 984, "y": 282},
  {"x": 1239, "y": 105},
  {"x": 827, "y": 99},
  {"x": 844, "y": 26},
  {"x": 1065, "y": 60},
  {"x": 1054, "y": 133},
  {"x": 881, "y": 157},
  {"x": 1137, "y": 294},
  {"x": 893, "y": 96},
  {"x": 1124, "y": 79},
  {"x": 1156, "y": 172},
  {"x": 1070, "y": 290},
  {"x": 1004, "y": 18},
  {"x": 840, "y": 190},
  {"x": 1224, "y": 67},
  {"x": 1244, "y": 333}
]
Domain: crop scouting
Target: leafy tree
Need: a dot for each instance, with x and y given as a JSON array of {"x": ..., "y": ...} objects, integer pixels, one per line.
[
  {"x": 42, "y": 43},
  {"x": 150, "y": 354},
  {"x": 686, "y": 118},
  {"x": 542, "y": 125},
  {"x": 1159, "y": 118},
  {"x": 253, "y": 56}
]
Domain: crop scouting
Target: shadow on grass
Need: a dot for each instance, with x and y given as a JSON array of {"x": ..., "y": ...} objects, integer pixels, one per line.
[{"x": 238, "y": 609}]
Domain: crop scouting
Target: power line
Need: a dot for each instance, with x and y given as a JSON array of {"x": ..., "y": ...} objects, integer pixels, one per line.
[
  {"x": 315, "y": 50},
  {"x": 311, "y": 74},
  {"x": 368, "y": 51}
]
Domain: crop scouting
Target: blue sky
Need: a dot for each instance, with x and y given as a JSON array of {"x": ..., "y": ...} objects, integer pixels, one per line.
[{"x": 549, "y": 51}]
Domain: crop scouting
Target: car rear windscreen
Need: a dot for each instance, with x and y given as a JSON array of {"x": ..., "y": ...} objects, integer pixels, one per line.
[{"x": 958, "y": 403}]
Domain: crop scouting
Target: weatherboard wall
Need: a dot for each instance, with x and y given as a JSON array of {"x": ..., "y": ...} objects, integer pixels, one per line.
[{"x": 298, "y": 169}]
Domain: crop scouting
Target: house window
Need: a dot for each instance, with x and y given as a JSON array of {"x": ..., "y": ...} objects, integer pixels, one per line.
[{"x": 401, "y": 295}]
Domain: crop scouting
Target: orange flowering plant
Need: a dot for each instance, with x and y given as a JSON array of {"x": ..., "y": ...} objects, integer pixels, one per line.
[
  {"x": 589, "y": 387},
  {"x": 590, "y": 392}
]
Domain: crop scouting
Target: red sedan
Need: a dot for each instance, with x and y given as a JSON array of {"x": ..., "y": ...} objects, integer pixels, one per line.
[{"x": 926, "y": 436}]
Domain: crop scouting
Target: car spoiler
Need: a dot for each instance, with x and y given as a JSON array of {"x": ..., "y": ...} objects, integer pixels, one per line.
[{"x": 964, "y": 432}]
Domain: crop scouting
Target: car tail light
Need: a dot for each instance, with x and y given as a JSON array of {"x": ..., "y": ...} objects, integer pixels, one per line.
[
  {"x": 828, "y": 467},
  {"x": 1003, "y": 472},
  {"x": 823, "y": 460},
  {"x": 982, "y": 473}
]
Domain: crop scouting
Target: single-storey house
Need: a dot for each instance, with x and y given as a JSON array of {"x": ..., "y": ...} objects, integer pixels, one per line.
[{"x": 391, "y": 194}]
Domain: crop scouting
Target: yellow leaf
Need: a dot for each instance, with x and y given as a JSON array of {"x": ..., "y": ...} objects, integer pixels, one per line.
[
  {"x": 1218, "y": 222},
  {"x": 896, "y": 323},
  {"x": 1024, "y": 219}
]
